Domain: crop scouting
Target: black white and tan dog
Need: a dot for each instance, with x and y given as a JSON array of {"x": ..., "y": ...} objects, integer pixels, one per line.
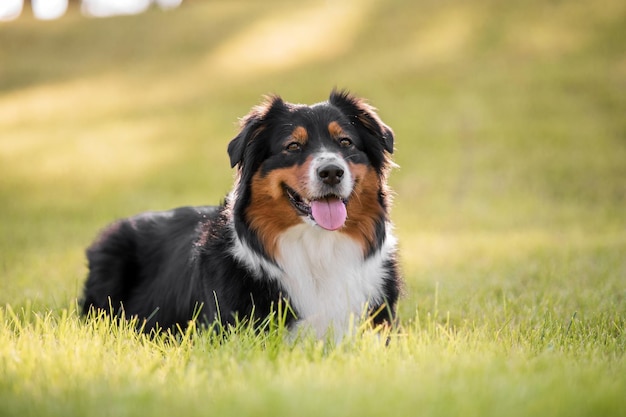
[{"x": 306, "y": 223}]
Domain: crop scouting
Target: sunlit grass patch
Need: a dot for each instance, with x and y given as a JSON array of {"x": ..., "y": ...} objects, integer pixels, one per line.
[{"x": 65, "y": 364}]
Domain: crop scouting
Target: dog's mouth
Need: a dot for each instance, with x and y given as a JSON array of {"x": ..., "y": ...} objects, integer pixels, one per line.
[{"x": 328, "y": 212}]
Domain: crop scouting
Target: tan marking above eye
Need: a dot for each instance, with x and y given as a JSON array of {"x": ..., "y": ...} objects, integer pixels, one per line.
[
  {"x": 335, "y": 130},
  {"x": 300, "y": 134},
  {"x": 298, "y": 138},
  {"x": 340, "y": 135}
]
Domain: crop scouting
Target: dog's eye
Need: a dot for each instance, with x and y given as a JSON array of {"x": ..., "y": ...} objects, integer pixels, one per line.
[
  {"x": 293, "y": 147},
  {"x": 345, "y": 142}
]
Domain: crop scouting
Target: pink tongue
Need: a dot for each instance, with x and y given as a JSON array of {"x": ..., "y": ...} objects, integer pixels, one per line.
[{"x": 329, "y": 213}]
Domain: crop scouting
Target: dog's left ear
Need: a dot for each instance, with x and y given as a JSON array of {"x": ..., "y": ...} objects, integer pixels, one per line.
[{"x": 364, "y": 118}]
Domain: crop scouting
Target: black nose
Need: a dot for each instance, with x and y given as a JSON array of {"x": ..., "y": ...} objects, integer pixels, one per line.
[{"x": 330, "y": 174}]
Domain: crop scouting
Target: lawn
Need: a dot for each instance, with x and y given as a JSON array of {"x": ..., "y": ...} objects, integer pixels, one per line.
[{"x": 510, "y": 203}]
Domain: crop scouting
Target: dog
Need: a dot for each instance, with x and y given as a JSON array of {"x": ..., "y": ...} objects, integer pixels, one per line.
[{"x": 305, "y": 224}]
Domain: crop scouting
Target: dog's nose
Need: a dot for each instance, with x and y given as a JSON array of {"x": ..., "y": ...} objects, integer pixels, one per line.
[{"x": 330, "y": 174}]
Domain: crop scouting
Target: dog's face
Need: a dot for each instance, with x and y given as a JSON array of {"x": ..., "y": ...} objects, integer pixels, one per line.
[{"x": 323, "y": 165}]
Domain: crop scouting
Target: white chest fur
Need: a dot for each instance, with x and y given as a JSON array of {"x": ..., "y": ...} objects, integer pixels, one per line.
[{"x": 327, "y": 278}]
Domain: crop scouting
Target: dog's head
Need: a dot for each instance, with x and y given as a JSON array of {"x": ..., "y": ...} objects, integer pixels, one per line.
[{"x": 323, "y": 165}]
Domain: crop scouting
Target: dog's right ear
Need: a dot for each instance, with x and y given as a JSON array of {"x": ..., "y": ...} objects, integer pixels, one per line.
[{"x": 252, "y": 125}]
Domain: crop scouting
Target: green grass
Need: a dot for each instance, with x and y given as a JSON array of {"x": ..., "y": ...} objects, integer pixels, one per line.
[{"x": 510, "y": 203}]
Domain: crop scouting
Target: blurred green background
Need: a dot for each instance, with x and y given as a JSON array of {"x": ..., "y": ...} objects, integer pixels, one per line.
[{"x": 510, "y": 122}]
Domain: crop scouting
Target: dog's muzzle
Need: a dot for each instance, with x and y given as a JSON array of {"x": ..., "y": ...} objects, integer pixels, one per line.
[{"x": 329, "y": 187}]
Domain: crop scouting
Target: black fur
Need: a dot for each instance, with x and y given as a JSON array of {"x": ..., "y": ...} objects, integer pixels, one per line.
[{"x": 164, "y": 267}]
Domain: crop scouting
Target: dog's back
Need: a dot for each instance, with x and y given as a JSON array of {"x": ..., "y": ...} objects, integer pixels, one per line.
[{"x": 146, "y": 261}]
